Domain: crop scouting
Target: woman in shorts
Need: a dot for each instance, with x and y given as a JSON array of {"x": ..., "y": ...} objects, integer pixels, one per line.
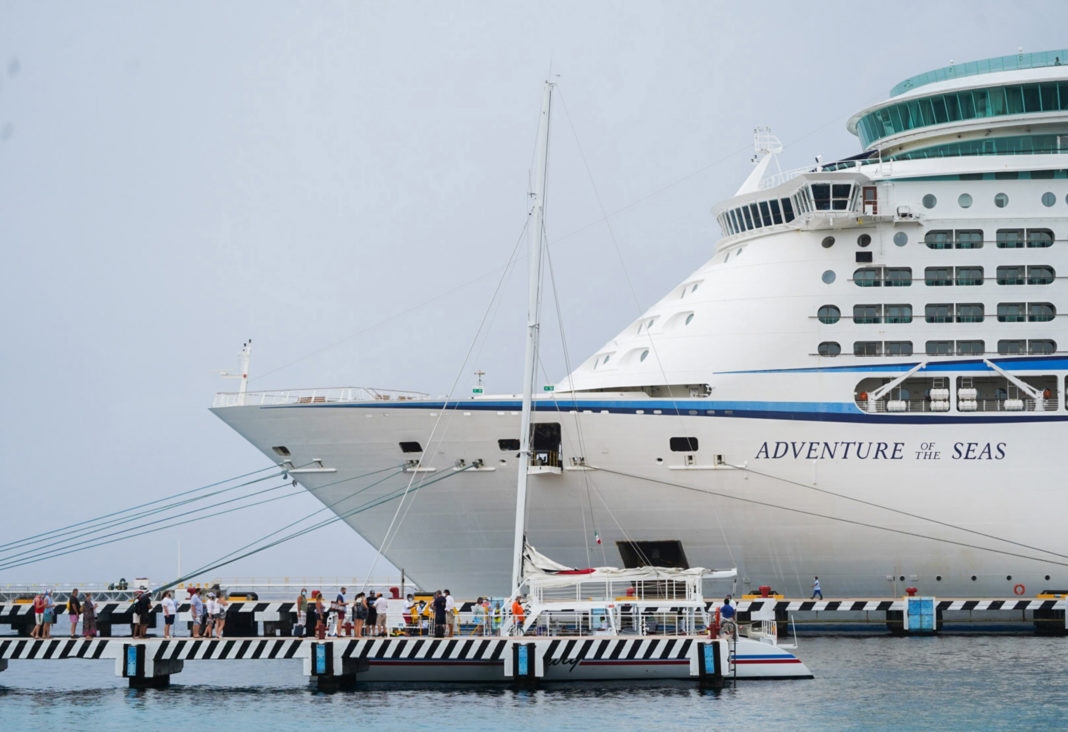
[
  {"x": 220, "y": 615},
  {"x": 168, "y": 613},
  {"x": 359, "y": 614}
]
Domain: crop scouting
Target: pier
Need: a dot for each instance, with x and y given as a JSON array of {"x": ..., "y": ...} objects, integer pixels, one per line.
[{"x": 339, "y": 664}]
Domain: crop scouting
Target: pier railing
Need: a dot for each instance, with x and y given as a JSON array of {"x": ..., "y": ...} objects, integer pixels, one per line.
[{"x": 325, "y": 395}]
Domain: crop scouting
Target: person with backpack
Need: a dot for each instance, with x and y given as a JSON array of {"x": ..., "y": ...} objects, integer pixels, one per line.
[
  {"x": 142, "y": 608},
  {"x": 74, "y": 611},
  {"x": 49, "y": 614}
]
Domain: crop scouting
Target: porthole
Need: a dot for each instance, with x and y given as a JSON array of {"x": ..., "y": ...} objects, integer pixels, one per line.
[
  {"x": 973, "y": 578},
  {"x": 1047, "y": 578},
  {"x": 929, "y": 201},
  {"x": 901, "y": 578},
  {"x": 607, "y": 356},
  {"x": 1008, "y": 578},
  {"x": 828, "y": 276},
  {"x": 829, "y": 314},
  {"x": 1001, "y": 200},
  {"x": 829, "y": 348},
  {"x": 863, "y": 240},
  {"x": 828, "y": 242},
  {"x": 689, "y": 319},
  {"x": 938, "y": 578},
  {"x": 645, "y": 355},
  {"x": 964, "y": 200},
  {"x": 695, "y": 284},
  {"x": 901, "y": 238},
  {"x": 1048, "y": 199}
]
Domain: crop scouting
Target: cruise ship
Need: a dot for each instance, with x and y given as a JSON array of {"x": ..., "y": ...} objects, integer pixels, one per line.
[{"x": 866, "y": 382}]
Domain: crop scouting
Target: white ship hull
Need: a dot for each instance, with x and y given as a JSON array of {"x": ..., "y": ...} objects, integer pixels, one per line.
[{"x": 770, "y": 517}]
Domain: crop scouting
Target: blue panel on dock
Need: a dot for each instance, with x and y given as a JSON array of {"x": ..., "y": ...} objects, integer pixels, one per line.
[
  {"x": 523, "y": 661},
  {"x": 131, "y": 661},
  {"x": 320, "y": 660},
  {"x": 921, "y": 613},
  {"x": 708, "y": 653}
]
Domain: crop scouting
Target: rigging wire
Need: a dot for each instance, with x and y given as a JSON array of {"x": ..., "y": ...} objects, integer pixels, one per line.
[
  {"x": 907, "y": 514},
  {"x": 829, "y": 517},
  {"x": 134, "y": 508},
  {"x": 67, "y": 536}
]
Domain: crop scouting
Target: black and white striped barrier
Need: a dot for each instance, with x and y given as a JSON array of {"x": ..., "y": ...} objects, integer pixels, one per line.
[{"x": 338, "y": 664}]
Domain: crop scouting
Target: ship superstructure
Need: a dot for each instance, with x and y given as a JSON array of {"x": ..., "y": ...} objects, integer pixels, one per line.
[{"x": 866, "y": 382}]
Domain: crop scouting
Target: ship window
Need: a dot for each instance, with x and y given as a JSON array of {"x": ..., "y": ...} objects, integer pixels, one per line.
[
  {"x": 863, "y": 240},
  {"x": 939, "y": 313},
  {"x": 939, "y": 348},
  {"x": 1039, "y": 238},
  {"x": 748, "y": 220},
  {"x": 1040, "y": 274},
  {"x": 840, "y": 193},
  {"x": 776, "y": 214},
  {"x": 828, "y": 276},
  {"x": 898, "y": 314},
  {"x": 411, "y": 447},
  {"x": 821, "y": 194},
  {"x": 765, "y": 213},
  {"x": 756, "y": 215},
  {"x": 1011, "y": 312},
  {"x": 901, "y": 238},
  {"x": 1012, "y": 347},
  {"x": 1048, "y": 199},
  {"x": 1040, "y": 312},
  {"x": 829, "y": 348},
  {"x": 867, "y": 314},
  {"x": 689, "y": 319},
  {"x": 929, "y": 201},
  {"x": 970, "y": 312},
  {"x": 867, "y": 348},
  {"x": 938, "y": 276},
  {"x": 828, "y": 242},
  {"x": 968, "y": 239},
  {"x": 969, "y": 275},
  {"x": 1041, "y": 347},
  {"x": 863, "y": 257},
  {"x": 1001, "y": 200},
  {"x": 964, "y": 200},
  {"x": 787, "y": 210},
  {"x": 1013, "y": 275},
  {"x": 971, "y": 348},
  {"x": 898, "y": 348},
  {"x": 938, "y": 239},
  {"x": 508, "y": 444},
  {"x": 898, "y": 276},
  {"x": 281, "y": 451},
  {"x": 683, "y": 444},
  {"x": 645, "y": 354},
  {"x": 868, "y": 277},
  {"x": 1010, "y": 238},
  {"x": 652, "y": 554},
  {"x": 695, "y": 284},
  {"x": 828, "y": 314}
]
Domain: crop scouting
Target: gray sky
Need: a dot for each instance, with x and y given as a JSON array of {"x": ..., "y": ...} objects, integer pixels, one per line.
[{"x": 343, "y": 182}]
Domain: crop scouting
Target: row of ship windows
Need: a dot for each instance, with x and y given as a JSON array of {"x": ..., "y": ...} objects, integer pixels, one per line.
[
  {"x": 1006, "y": 347},
  {"x": 1015, "y": 274},
  {"x": 962, "y": 105},
  {"x": 973, "y": 238},
  {"x": 808, "y": 198},
  {"x": 972, "y": 312}
]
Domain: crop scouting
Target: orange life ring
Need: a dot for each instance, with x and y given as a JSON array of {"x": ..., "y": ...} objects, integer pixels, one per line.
[
  {"x": 1019, "y": 589},
  {"x": 863, "y": 396}
]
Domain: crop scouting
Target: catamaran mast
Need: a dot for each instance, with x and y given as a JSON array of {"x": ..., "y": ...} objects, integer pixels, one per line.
[{"x": 537, "y": 226}]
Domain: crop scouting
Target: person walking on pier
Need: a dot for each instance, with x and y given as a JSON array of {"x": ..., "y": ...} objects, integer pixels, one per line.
[
  {"x": 169, "y": 610},
  {"x": 450, "y": 614},
  {"x": 141, "y": 610},
  {"x": 38, "y": 616},
  {"x": 88, "y": 616},
  {"x": 196, "y": 609},
  {"x": 74, "y": 611},
  {"x": 372, "y": 613},
  {"x": 518, "y": 615},
  {"x": 816, "y": 591}
]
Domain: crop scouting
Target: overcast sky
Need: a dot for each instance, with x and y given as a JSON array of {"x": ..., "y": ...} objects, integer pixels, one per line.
[{"x": 343, "y": 183}]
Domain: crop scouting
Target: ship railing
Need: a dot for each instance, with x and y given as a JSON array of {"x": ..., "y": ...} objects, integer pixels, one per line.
[
  {"x": 327, "y": 395},
  {"x": 912, "y": 406}
]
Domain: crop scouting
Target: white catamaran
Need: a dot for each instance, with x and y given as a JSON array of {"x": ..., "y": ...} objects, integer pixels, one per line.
[{"x": 864, "y": 382}]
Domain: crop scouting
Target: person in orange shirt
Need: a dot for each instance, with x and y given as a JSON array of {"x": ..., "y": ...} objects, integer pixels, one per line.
[{"x": 517, "y": 613}]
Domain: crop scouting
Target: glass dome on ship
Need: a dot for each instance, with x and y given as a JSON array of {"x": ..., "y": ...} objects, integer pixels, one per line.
[{"x": 863, "y": 382}]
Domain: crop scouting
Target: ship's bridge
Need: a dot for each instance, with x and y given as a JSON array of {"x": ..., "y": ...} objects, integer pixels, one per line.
[{"x": 1008, "y": 105}]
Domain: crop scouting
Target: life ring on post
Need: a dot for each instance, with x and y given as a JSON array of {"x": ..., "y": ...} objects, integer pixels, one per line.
[
  {"x": 862, "y": 396},
  {"x": 1019, "y": 589}
]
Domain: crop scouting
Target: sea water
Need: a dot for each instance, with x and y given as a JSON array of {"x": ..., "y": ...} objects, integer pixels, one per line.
[{"x": 947, "y": 682}]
